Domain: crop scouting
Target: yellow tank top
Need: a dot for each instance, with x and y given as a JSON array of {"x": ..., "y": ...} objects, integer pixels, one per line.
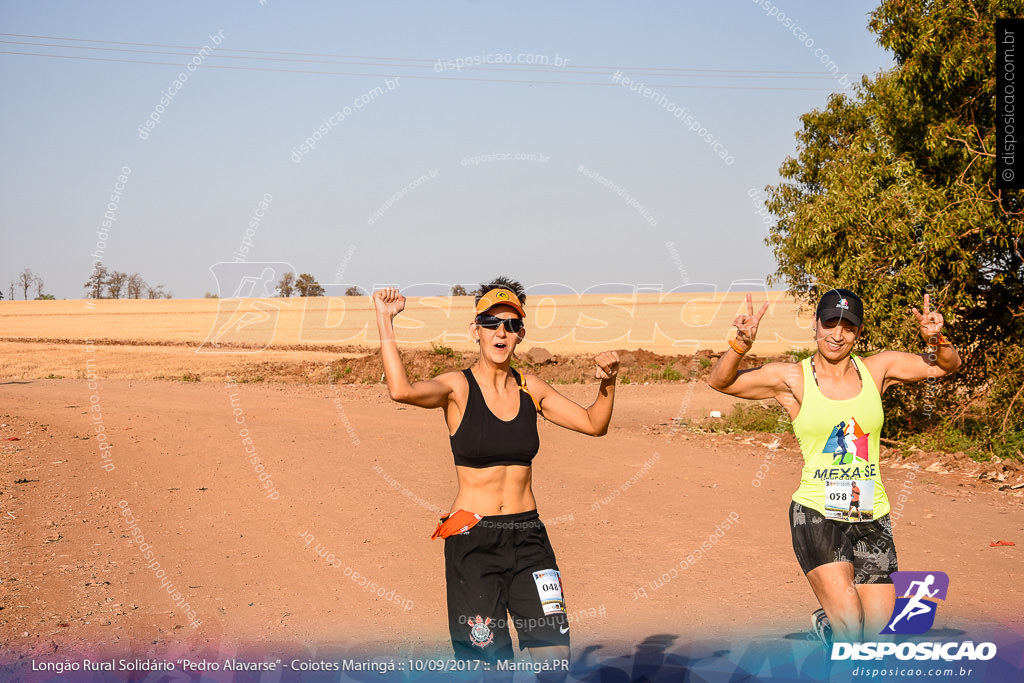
[{"x": 840, "y": 443}]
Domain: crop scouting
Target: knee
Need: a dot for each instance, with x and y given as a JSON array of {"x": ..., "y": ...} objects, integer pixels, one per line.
[{"x": 848, "y": 625}]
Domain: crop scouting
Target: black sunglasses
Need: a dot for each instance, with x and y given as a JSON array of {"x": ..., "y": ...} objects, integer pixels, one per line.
[{"x": 493, "y": 322}]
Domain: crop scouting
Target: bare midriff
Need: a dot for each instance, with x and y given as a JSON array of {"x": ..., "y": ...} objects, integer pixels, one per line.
[{"x": 498, "y": 490}]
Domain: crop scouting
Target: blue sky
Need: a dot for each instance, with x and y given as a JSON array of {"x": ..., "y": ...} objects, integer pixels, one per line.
[{"x": 227, "y": 137}]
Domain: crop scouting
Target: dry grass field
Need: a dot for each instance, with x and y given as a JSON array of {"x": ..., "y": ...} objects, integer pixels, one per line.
[{"x": 200, "y": 338}]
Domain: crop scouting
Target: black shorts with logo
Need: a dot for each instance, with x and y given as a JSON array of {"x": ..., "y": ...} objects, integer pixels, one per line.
[
  {"x": 867, "y": 545},
  {"x": 503, "y": 571}
]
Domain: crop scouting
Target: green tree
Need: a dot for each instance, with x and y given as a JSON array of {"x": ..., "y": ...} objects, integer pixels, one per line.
[
  {"x": 306, "y": 285},
  {"x": 892, "y": 193}
]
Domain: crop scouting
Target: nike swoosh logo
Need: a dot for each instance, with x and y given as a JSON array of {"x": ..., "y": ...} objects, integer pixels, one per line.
[{"x": 563, "y": 629}]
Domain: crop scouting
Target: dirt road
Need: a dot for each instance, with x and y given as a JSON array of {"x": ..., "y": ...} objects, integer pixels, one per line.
[{"x": 327, "y": 543}]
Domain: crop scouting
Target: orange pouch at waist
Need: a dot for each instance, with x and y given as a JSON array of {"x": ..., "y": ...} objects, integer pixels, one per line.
[{"x": 458, "y": 522}]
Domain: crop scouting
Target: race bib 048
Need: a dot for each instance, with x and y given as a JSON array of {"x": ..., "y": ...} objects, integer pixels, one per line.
[{"x": 549, "y": 588}]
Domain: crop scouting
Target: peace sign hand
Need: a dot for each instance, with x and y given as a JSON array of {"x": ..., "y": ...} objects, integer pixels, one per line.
[
  {"x": 929, "y": 321},
  {"x": 746, "y": 323}
]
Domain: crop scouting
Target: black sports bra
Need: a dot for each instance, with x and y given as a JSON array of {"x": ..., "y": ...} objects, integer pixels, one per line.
[{"x": 484, "y": 440}]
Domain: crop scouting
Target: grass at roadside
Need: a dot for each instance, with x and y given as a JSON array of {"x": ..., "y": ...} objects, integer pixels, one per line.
[{"x": 971, "y": 437}]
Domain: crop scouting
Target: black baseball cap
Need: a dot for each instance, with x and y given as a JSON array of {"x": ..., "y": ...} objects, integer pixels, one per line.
[{"x": 841, "y": 303}]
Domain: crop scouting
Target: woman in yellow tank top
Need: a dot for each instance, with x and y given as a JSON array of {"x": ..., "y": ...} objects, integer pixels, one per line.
[{"x": 839, "y": 515}]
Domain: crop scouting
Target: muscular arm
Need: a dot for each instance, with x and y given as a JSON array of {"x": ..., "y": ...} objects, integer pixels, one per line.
[
  {"x": 767, "y": 381},
  {"x": 897, "y": 367},
  {"x": 569, "y": 414},
  {"x": 433, "y": 393}
]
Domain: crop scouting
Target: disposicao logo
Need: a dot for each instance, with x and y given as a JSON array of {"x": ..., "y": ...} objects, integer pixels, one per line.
[{"x": 914, "y": 614}]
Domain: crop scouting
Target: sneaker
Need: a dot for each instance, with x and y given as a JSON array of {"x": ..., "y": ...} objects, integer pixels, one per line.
[{"x": 822, "y": 628}]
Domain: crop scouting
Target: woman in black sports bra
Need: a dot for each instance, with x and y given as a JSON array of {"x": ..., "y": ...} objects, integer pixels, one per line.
[{"x": 499, "y": 565}]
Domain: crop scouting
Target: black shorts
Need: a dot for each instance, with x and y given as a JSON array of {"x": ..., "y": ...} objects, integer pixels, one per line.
[
  {"x": 503, "y": 570},
  {"x": 867, "y": 545}
]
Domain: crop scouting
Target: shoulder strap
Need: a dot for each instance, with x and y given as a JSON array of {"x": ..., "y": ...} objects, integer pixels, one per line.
[
  {"x": 810, "y": 381},
  {"x": 522, "y": 387},
  {"x": 865, "y": 374},
  {"x": 471, "y": 381}
]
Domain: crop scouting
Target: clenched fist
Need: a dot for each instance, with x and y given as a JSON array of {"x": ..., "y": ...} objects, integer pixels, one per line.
[
  {"x": 388, "y": 302},
  {"x": 607, "y": 364}
]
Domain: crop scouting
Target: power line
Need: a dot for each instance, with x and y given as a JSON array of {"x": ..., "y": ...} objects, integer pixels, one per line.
[
  {"x": 635, "y": 69},
  {"x": 405, "y": 63},
  {"x": 431, "y": 78},
  {"x": 735, "y": 74}
]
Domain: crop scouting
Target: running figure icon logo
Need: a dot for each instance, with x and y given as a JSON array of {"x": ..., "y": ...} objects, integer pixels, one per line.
[
  {"x": 847, "y": 443},
  {"x": 914, "y": 613}
]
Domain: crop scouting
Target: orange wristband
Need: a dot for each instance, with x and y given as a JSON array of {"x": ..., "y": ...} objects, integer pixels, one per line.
[{"x": 736, "y": 347}]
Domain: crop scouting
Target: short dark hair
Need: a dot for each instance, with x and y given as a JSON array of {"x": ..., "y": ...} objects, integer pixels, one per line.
[{"x": 502, "y": 282}]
